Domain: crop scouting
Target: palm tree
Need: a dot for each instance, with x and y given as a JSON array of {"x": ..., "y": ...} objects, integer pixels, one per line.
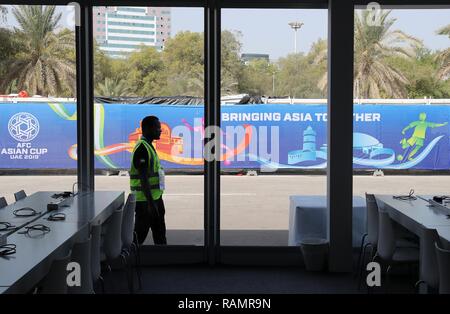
[
  {"x": 373, "y": 45},
  {"x": 373, "y": 76},
  {"x": 193, "y": 84},
  {"x": 112, "y": 88},
  {"x": 46, "y": 64},
  {"x": 228, "y": 84},
  {"x": 443, "y": 58}
]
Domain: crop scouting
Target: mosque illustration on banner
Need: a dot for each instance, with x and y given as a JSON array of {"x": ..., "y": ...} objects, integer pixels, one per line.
[
  {"x": 309, "y": 151},
  {"x": 364, "y": 145},
  {"x": 367, "y": 151}
]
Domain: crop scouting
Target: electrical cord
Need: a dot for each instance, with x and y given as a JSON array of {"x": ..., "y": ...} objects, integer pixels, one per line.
[
  {"x": 57, "y": 217},
  {"x": 73, "y": 188},
  {"x": 37, "y": 227},
  {"x": 25, "y": 212},
  {"x": 6, "y": 226},
  {"x": 7, "y": 249},
  {"x": 62, "y": 195},
  {"x": 440, "y": 199},
  {"x": 408, "y": 197}
]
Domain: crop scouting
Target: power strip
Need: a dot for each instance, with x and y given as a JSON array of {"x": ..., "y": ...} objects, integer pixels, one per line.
[
  {"x": 59, "y": 203},
  {"x": 436, "y": 204}
]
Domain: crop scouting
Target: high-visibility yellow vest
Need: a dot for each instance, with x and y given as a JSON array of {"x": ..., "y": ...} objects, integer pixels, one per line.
[{"x": 153, "y": 171}]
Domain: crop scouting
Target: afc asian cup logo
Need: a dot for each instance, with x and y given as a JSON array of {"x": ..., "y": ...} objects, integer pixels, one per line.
[{"x": 23, "y": 126}]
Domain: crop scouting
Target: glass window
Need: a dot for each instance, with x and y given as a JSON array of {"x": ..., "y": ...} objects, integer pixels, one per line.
[
  {"x": 401, "y": 107},
  {"x": 274, "y": 125},
  {"x": 175, "y": 76},
  {"x": 38, "y": 102}
]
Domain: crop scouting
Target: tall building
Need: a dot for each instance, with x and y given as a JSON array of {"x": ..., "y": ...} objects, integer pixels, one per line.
[{"x": 121, "y": 30}]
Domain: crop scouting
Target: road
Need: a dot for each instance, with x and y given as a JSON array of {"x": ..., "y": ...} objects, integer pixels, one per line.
[{"x": 247, "y": 202}]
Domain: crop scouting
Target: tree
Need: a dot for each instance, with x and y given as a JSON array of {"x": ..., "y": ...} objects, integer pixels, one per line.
[
  {"x": 318, "y": 58},
  {"x": 145, "y": 72},
  {"x": 45, "y": 65},
  {"x": 112, "y": 88},
  {"x": 298, "y": 77},
  {"x": 183, "y": 57},
  {"x": 421, "y": 75},
  {"x": 373, "y": 77},
  {"x": 9, "y": 47},
  {"x": 257, "y": 77},
  {"x": 3, "y": 12},
  {"x": 443, "y": 58},
  {"x": 102, "y": 66},
  {"x": 231, "y": 64},
  {"x": 374, "y": 44}
]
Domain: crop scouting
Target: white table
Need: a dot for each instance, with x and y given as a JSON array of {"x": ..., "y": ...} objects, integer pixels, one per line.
[
  {"x": 37, "y": 201},
  {"x": 415, "y": 215},
  {"x": 21, "y": 271},
  {"x": 308, "y": 217}
]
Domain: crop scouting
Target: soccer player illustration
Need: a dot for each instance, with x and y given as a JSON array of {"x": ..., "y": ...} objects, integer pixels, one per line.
[{"x": 417, "y": 139}]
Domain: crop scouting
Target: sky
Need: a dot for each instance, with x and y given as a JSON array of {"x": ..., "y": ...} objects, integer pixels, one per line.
[{"x": 267, "y": 30}]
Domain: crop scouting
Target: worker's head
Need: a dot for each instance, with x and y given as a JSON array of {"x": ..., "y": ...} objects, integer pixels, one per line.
[
  {"x": 151, "y": 128},
  {"x": 422, "y": 116}
]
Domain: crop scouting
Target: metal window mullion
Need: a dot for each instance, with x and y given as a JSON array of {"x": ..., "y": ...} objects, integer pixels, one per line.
[
  {"x": 212, "y": 118},
  {"x": 85, "y": 100},
  {"x": 340, "y": 133}
]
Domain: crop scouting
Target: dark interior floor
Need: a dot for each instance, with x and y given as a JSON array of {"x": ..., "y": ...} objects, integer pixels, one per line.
[{"x": 202, "y": 279}]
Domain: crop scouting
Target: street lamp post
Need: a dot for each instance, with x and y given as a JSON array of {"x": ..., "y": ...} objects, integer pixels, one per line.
[
  {"x": 273, "y": 83},
  {"x": 295, "y": 26}
]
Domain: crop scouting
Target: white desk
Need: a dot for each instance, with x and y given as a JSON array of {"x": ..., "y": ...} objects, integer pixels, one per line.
[
  {"x": 415, "y": 215},
  {"x": 21, "y": 271},
  {"x": 37, "y": 201},
  {"x": 308, "y": 217}
]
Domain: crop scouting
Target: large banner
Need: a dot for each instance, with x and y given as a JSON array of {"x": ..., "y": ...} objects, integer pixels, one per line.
[{"x": 272, "y": 136}]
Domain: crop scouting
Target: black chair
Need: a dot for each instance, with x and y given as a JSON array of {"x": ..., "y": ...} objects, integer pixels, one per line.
[
  {"x": 443, "y": 260},
  {"x": 81, "y": 254},
  {"x": 20, "y": 195},
  {"x": 429, "y": 271},
  {"x": 388, "y": 250},
  {"x": 370, "y": 239},
  {"x": 55, "y": 281},
  {"x": 372, "y": 235},
  {"x": 128, "y": 245},
  {"x": 3, "y": 202}
]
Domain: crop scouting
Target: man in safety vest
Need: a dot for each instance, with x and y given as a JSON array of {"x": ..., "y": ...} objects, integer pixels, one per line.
[{"x": 147, "y": 183}]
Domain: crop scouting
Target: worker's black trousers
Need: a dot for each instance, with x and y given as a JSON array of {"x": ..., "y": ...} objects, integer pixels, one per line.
[{"x": 144, "y": 221}]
